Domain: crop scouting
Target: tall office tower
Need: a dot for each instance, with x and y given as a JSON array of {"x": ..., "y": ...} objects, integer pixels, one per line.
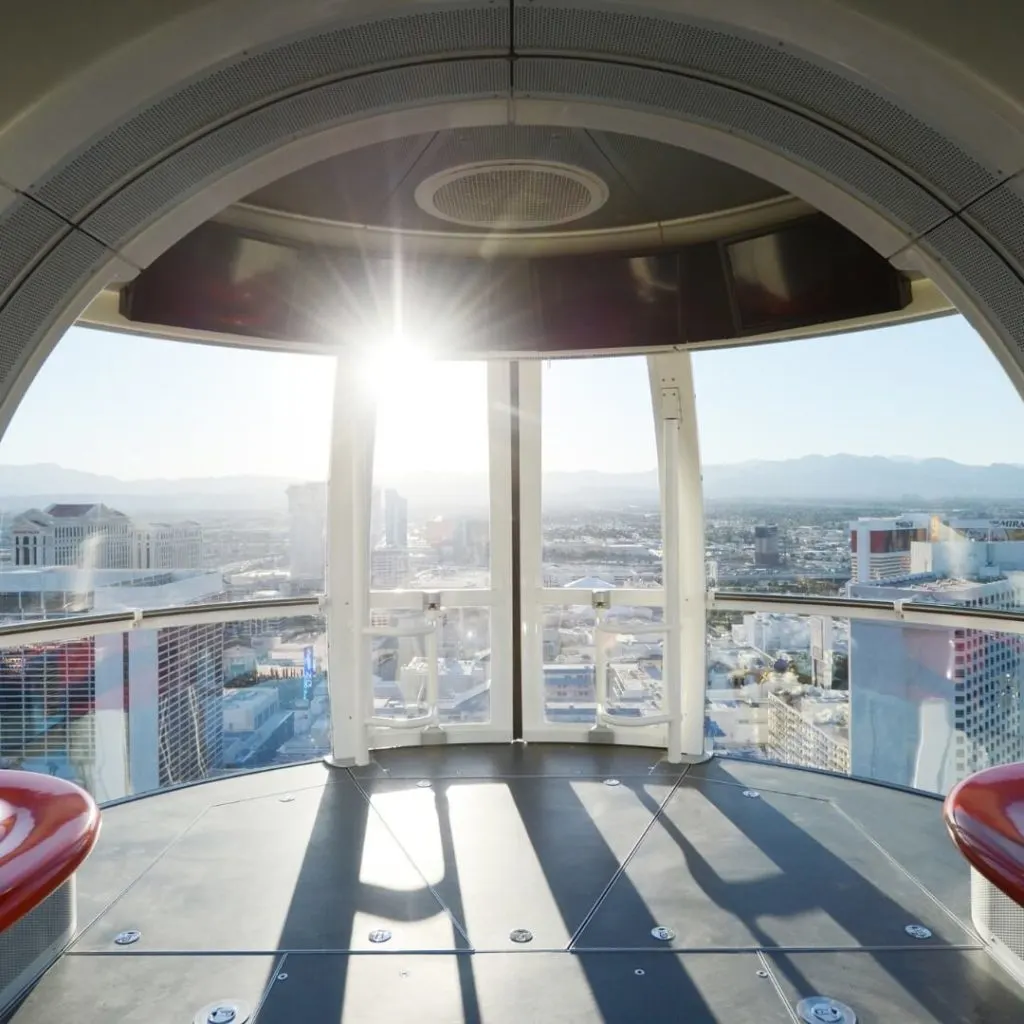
[
  {"x": 821, "y": 651},
  {"x": 307, "y": 547},
  {"x": 880, "y": 548},
  {"x": 929, "y": 705},
  {"x": 766, "y": 545},
  {"x": 88, "y": 535},
  {"x": 396, "y": 520},
  {"x": 120, "y": 713}
]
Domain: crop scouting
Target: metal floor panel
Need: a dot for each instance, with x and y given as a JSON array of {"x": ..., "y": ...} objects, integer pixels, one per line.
[
  {"x": 510, "y": 988},
  {"x": 142, "y": 989},
  {"x": 907, "y": 825},
  {"x": 725, "y": 870},
  {"x": 805, "y": 889},
  {"x": 936, "y": 987},
  {"x": 519, "y": 852},
  {"x": 316, "y": 871}
]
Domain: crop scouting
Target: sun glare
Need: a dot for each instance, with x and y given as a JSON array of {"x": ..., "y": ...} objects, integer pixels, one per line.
[{"x": 393, "y": 367}]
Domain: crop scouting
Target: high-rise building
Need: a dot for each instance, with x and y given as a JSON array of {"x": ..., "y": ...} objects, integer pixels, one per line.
[
  {"x": 880, "y": 548},
  {"x": 929, "y": 705},
  {"x": 389, "y": 568},
  {"x": 821, "y": 651},
  {"x": 809, "y": 727},
  {"x": 766, "y": 545},
  {"x": 64, "y": 707},
  {"x": 307, "y": 547},
  {"x": 396, "y": 520}
]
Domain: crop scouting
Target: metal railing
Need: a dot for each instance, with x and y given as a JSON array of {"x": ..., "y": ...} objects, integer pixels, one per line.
[{"x": 76, "y": 627}]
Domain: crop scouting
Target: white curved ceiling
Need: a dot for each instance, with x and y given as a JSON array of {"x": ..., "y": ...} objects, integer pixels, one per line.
[{"x": 909, "y": 129}]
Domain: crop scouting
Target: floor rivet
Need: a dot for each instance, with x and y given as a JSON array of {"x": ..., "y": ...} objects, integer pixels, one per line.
[
  {"x": 918, "y": 931},
  {"x": 823, "y": 1010},
  {"x": 224, "y": 1011},
  {"x": 379, "y": 935},
  {"x": 127, "y": 938},
  {"x": 521, "y": 935},
  {"x": 662, "y": 933},
  {"x": 752, "y": 793}
]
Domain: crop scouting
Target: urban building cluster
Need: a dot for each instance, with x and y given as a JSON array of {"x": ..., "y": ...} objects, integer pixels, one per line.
[
  {"x": 93, "y": 536},
  {"x": 911, "y": 704}
]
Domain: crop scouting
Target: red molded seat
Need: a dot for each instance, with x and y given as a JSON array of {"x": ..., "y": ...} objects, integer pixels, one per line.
[
  {"x": 985, "y": 817},
  {"x": 47, "y": 828}
]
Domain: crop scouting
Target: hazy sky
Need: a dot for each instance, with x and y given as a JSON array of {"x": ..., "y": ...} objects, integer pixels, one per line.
[{"x": 135, "y": 407}]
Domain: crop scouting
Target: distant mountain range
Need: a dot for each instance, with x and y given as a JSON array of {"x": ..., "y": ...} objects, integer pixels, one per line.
[{"x": 813, "y": 478}]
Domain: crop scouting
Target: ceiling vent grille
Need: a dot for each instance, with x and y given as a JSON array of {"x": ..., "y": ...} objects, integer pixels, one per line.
[{"x": 512, "y": 195}]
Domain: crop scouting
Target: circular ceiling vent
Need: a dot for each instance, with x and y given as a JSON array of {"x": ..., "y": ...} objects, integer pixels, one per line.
[{"x": 511, "y": 195}]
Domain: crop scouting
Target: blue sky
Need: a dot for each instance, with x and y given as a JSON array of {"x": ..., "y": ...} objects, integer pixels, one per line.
[{"x": 136, "y": 407}]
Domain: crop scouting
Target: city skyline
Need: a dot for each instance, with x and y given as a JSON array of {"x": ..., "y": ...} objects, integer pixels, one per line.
[{"x": 177, "y": 410}]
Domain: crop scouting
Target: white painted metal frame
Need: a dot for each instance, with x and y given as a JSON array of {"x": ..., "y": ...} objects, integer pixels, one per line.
[
  {"x": 680, "y": 729},
  {"x": 349, "y": 486},
  {"x": 429, "y": 718},
  {"x": 603, "y": 626},
  {"x": 357, "y": 729},
  {"x": 682, "y": 530}
]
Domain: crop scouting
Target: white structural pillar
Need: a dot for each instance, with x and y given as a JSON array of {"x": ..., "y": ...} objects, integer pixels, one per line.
[
  {"x": 682, "y": 528},
  {"x": 348, "y": 570}
]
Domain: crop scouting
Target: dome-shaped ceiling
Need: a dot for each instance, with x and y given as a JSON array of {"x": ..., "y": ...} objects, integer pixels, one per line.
[{"x": 512, "y": 179}]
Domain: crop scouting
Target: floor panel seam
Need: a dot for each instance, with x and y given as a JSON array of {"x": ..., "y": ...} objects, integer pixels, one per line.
[
  {"x": 80, "y": 933},
  {"x": 905, "y": 871},
  {"x": 624, "y": 863},
  {"x": 459, "y": 925},
  {"x": 766, "y": 965},
  {"x": 739, "y": 951}
]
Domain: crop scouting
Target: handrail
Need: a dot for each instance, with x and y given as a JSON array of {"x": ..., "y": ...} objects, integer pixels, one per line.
[
  {"x": 76, "y": 627},
  {"x": 602, "y": 715},
  {"x": 903, "y": 612},
  {"x": 983, "y": 816},
  {"x": 47, "y": 828},
  {"x": 427, "y": 630}
]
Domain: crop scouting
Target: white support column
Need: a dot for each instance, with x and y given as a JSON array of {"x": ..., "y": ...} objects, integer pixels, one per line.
[
  {"x": 500, "y": 469},
  {"x": 348, "y": 571},
  {"x": 530, "y": 547},
  {"x": 682, "y": 526}
]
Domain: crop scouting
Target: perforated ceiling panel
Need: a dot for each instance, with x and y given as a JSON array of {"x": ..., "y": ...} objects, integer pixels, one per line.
[
  {"x": 554, "y": 26},
  {"x": 26, "y": 231},
  {"x": 1000, "y": 215},
  {"x": 241, "y": 141},
  {"x": 42, "y": 298},
  {"x": 981, "y": 271},
  {"x": 460, "y": 29},
  {"x": 857, "y": 169},
  {"x": 511, "y": 195}
]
